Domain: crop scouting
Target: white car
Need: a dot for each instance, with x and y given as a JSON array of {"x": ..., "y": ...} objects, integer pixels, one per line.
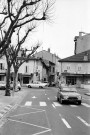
[
  {"x": 36, "y": 84},
  {"x": 2, "y": 85}
]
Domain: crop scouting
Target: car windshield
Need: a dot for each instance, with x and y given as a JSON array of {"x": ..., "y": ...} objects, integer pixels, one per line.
[{"x": 68, "y": 90}]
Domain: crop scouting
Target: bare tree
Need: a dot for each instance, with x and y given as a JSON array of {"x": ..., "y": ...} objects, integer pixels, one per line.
[
  {"x": 19, "y": 13},
  {"x": 11, "y": 54},
  {"x": 15, "y": 17}
]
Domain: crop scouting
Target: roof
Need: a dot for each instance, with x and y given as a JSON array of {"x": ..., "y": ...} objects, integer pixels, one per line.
[{"x": 81, "y": 57}]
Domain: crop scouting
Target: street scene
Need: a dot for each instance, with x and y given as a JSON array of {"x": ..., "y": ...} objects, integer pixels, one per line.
[
  {"x": 44, "y": 67},
  {"x": 39, "y": 112}
]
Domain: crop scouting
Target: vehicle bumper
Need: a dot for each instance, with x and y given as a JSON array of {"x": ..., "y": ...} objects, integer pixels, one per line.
[{"x": 71, "y": 100}]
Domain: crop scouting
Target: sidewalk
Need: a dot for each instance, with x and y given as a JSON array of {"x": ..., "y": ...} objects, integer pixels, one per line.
[
  {"x": 10, "y": 102},
  {"x": 85, "y": 91}
]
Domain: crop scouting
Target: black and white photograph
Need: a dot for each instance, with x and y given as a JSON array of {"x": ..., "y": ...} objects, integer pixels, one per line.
[{"x": 44, "y": 67}]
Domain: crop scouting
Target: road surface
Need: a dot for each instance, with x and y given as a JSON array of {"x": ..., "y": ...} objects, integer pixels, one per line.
[{"x": 40, "y": 114}]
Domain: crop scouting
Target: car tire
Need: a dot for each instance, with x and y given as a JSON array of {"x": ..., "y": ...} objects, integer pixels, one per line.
[
  {"x": 40, "y": 87},
  {"x": 29, "y": 86},
  {"x": 79, "y": 102},
  {"x": 57, "y": 99}
]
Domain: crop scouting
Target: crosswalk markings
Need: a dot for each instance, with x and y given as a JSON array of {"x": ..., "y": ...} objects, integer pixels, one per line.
[
  {"x": 56, "y": 104},
  {"x": 43, "y": 104},
  {"x": 28, "y": 103}
]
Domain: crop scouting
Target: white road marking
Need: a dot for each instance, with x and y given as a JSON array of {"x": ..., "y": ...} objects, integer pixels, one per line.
[
  {"x": 73, "y": 105},
  {"x": 57, "y": 104},
  {"x": 43, "y": 104},
  {"x": 28, "y": 113},
  {"x": 53, "y": 106},
  {"x": 28, "y": 103},
  {"x": 66, "y": 123},
  {"x": 34, "y": 97},
  {"x": 42, "y": 132},
  {"x": 82, "y": 120},
  {"x": 86, "y": 105},
  {"x": 22, "y": 122},
  {"x": 48, "y": 98}
]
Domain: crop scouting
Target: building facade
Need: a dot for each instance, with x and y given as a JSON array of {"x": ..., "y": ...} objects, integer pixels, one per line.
[
  {"x": 32, "y": 70},
  {"x": 82, "y": 42},
  {"x": 54, "y": 65},
  {"x": 75, "y": 70}
]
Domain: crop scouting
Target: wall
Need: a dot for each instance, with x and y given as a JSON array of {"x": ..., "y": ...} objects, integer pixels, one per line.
[
  {"x": 79, "y": 68},
  {"x": 83, "y": 43}
]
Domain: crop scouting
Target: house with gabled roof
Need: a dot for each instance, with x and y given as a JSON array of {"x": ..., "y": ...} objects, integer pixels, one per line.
[
  {"x": 54, "y": 65},
  {"x": 75, "y": 70}
]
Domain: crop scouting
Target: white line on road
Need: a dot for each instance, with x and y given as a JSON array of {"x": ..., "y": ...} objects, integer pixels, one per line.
[
  {"x": 73, "y": 105},
  {"x": 57, "y": 104},
  {"x": 48, "y": 98},
  {"x": 43, "y": 104},
  {"x": 53, "y": 106},
  {"x": 28, "y": 103},
  {"x": 66, "y": 123},
  {"x": 82, "y": 120},
  {"x": 27, "y": 113},
  {"x": 86, "y": 105},
  {"x": 22, "y": 122},
  {"x": 42, "y": 132}
]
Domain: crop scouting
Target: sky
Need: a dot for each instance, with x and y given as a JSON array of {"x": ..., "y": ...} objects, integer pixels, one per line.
[{"x": 69, "y": 18}]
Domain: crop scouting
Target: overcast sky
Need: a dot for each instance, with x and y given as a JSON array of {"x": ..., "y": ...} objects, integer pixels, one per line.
[{"x": 69, "y": 18}]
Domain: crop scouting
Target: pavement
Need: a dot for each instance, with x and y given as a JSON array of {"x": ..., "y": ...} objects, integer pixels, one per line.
[
  {"x": 11, "y": 102},
  {"x": 7, "y": 103}
]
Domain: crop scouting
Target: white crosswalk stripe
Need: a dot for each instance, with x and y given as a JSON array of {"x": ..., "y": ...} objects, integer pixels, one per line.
[
  {"x": 28, "y": 103},
  {"x": 57, "y": 104},
  {"x": 43, "y": 104}
]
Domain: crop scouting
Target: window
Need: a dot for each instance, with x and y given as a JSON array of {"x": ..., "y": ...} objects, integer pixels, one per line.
[
  {"x": 53, "y": 69},
  {"x": 1, "y": 66}
]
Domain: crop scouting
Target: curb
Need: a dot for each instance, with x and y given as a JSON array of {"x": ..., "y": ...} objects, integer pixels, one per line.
[{"x": 10, "y": 107}]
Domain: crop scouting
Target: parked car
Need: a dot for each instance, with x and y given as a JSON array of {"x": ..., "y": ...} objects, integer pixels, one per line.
[
  {"x": 69, "y": 95},
  {"x": 36, "y": 84},
  {"x": 18, "y": 86},
  {"x": 46, "y": 82},
  {"x": 2, "y": 85}
]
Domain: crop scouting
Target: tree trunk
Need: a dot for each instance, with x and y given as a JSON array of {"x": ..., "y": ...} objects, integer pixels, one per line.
[
  {"x": 7, "y": 91},
  {"x": 15, "y": 81}
]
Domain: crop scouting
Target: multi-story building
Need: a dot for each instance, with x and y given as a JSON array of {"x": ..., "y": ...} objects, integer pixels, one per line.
[
  {"x": 75, "y": 70},
  {"x": 54, "y": 65},
  {"x": 3, "y": 68},
  {"x": 33, "y": 70},
  {"x": 82, "y": 42}
]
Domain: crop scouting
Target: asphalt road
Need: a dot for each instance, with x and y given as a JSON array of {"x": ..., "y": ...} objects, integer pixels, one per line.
[{"x": 40, "y": 114}]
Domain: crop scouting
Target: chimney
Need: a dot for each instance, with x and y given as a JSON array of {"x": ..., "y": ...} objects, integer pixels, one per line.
[{"x": 48, "y": 49}]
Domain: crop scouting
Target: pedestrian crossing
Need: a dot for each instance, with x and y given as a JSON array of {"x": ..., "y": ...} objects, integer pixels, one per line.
[{"x": 56, "y": 104}]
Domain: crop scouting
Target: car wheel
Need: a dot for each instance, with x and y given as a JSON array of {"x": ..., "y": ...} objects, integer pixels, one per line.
[
  {"x": 40, "y": 87},
  {"x": 29, "y": 86},
  {"x": 57, "y": 99},
  {"x": 79, "y": 102},
  {"x": 61, "y": 101}
]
